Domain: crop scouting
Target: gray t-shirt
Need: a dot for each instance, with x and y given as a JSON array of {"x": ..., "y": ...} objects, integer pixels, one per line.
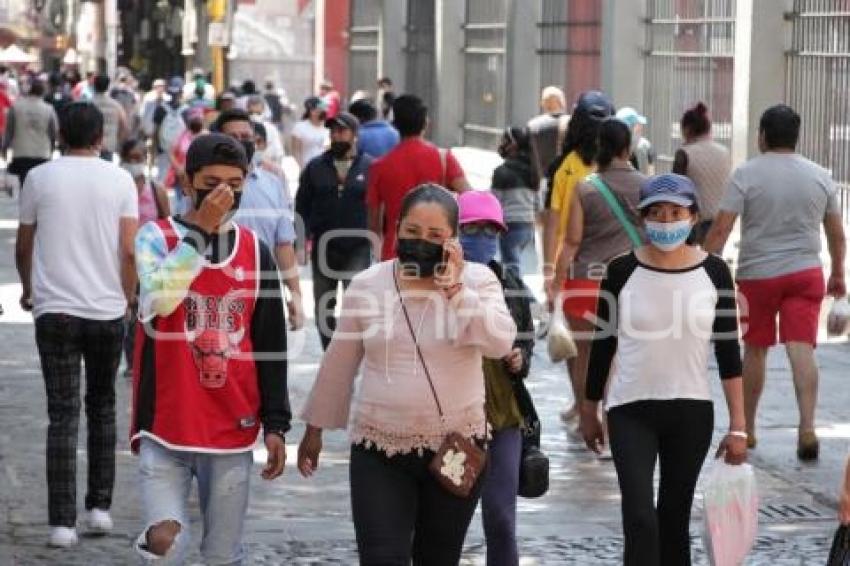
[{"x": 782, "y": 200}]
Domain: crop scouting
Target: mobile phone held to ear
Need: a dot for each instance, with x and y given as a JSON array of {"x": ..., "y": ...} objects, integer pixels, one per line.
[{"x": 444, "y": 263}]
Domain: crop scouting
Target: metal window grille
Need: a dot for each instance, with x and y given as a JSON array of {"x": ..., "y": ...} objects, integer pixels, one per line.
[
  {"x": 818, "y": 85},
  {"x": 570, "y": 44},
  {"x": 365, "y": 34},
  {"x": 690, "y": 50},
  {"x": 421, "y": 58},
  {"x": 485, "y": 77}
]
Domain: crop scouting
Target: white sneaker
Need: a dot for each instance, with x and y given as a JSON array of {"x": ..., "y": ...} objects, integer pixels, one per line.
[
  {"x": 62, "y": 537},
  {"x": 99, "y": 521}
]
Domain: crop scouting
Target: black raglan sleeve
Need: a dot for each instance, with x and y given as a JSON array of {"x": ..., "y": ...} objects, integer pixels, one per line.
[
  {"x": 604, "y": 344},
  {"x": 268, "y": 335},
  {"x": 727, "y": 349}
]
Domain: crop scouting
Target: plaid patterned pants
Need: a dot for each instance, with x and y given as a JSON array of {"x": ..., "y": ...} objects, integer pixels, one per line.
[{"x": 63, "y": 341}]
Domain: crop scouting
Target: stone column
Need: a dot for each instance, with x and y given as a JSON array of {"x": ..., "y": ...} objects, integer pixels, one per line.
[
  {"x": 623, "y": 44},
  {"x": 759, "y": 75},
  {"x": 448, "y": 103}
]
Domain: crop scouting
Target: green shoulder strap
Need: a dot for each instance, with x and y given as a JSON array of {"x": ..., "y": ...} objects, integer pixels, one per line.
[{"x": 616, "y": 209}]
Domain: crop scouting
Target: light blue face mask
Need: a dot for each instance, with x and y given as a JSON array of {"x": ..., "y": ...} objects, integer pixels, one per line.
[
  {"x": 479, "y": 248},
  {"x": 667, "y": 236}
]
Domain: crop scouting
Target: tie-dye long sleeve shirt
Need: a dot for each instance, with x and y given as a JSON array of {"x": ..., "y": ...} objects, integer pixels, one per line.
[{"x": 165, "y": 276}]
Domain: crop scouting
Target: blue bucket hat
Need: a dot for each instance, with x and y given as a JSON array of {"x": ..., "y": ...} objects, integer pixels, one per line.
[{"x": 668, "y": 187}]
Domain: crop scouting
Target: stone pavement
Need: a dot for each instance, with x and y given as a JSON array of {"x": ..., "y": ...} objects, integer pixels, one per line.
[{"x": 298, "y": 521}]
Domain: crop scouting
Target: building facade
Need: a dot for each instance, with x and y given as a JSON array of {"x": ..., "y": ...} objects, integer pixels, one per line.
[{"x": 480, "y": 64}]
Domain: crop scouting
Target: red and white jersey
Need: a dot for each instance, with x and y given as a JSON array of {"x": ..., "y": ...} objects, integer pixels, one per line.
[{"x": 202, "y": 392}]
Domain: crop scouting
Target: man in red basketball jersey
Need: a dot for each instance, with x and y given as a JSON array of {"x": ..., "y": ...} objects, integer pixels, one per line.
[{"x": 210, "y": 366}]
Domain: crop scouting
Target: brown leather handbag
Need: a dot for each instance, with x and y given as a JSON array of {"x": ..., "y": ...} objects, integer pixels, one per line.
[{"x": 459, "y": 461}]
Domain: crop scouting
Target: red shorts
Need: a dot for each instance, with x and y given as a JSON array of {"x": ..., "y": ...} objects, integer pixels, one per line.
[
  {"x": 580, "y": 297},
  {"x": 795, "y": 297}
]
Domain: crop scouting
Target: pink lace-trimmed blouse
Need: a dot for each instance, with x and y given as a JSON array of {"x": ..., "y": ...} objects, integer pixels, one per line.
[{"x": 394, "y": 408}]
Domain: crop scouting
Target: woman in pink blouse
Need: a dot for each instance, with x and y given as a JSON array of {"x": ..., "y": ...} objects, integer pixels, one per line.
[{"x": 458, "y": 314}]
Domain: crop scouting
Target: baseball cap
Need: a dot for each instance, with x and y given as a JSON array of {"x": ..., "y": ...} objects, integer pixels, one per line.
[
  {"x": 313, "y": 102},
  {"x": 480, "y": 206},
  {"x": 630, "y": 116},
  {"x": 595, "y": 103},
  {"x": 175, "y": 84},
  {"x": 344, "y": 120},
  {"x": 215, "y": 149},
  {"x": 668, "y": 187}
]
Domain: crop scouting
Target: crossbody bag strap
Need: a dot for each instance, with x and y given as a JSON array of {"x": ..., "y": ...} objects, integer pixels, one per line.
[
  {"x": 616, "y": 209},
  {"x": 416, "y": 344}
]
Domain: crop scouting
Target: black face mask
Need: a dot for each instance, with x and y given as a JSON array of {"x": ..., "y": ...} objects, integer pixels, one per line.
[
  {"x": 249, "y": 148},
  {"x": 340, "y": 149},
  {"x": 420, "y": 256},
  {"x": 201, "y": 194}
]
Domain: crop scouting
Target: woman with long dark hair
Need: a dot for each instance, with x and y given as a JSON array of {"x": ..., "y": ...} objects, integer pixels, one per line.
[
  {"x": 603, "y": 223},
  {"x": 577, "y": 161},
  {"x": 421, "y": 326}
]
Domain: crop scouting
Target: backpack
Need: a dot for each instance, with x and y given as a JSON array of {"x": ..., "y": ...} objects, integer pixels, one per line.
[{"x": 170, "y": 129}]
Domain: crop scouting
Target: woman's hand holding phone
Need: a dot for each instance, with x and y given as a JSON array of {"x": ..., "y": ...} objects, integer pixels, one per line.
[{"x": 449, "y": 274}]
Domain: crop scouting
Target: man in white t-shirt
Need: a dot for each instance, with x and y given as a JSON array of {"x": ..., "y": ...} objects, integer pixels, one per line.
[{"x": 75, "y": 258}]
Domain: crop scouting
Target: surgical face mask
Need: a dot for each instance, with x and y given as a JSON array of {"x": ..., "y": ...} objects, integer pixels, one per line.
[
  {"x": 257, "y": 159},
  {"x": 479, "y": 248},
  {"x": 667, "y": 236},
  {"x": 340, "y": 149},
  {"x": 202, "y": 194},
  {"x": 419, "y": 255},
  {"x": 135, "y": 170}
]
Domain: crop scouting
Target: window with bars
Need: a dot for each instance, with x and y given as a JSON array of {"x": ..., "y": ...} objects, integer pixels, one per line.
[
  {"x": 485, "y": 72},
  {"x": 365, "y": 34},
  {"x": 818, "y": 85},
  {"x": 570, "y": 45},
  {"x": 689, "y": 58}
]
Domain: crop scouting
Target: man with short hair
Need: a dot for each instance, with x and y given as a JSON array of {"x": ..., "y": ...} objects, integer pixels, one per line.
[
  {"x": 75, "y": 258},
  {"x": 547, "y": 132},
  {"x": 210, "y": 372},
  {"x": 375, "y": 137},
  {"x": 782, "y": 199},
  {"x": 267, "y": 209},
  {"x": 410, "y": 164},
  {"x": 115, "y": 126},
  {"x": 332, "y": 197},
  {"x": 31, "y": 126}
]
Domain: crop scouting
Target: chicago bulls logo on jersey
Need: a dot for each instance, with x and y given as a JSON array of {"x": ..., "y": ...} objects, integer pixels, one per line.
[{"x": 215, "y": 329}]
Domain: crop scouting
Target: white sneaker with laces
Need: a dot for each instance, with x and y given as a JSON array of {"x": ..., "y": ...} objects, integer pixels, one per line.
[
  {"x": 99, "y": 521},
  {"x": 62, "y": 537}
]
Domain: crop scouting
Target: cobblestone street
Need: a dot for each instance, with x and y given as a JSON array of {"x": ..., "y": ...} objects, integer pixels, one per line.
[{"x": 298, "y": 521}]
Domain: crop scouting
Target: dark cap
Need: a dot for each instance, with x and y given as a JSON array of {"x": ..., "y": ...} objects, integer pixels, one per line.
[
  {"x": 215, "y": 149},
  {"x": 595, "y": 103},
  {"x": 668, "y": 187},
  {"x": 175, "y": 85},
  {"x": 344, "y": 120}
]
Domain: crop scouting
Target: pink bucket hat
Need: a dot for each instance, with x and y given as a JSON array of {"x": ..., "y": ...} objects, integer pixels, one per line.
[{"x": 480, "y": 206}]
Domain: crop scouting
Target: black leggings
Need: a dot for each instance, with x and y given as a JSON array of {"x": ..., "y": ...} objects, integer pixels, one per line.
[
  {"x": 678, "y": 434},
  {"x": 401, "y": 512}
]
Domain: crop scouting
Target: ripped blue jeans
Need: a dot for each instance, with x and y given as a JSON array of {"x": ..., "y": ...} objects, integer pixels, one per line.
[{"x": 223, "y": 489}]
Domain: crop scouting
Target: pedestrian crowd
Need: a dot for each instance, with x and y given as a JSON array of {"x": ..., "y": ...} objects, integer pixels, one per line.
[{"x": 165, "y": 232}]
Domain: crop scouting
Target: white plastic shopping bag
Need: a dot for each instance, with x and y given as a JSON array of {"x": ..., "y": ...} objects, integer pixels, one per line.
[
  {"x": 560, "y": 342},
  {"x": 838, "y": 318},
  {"x": 730, "y": 518}
]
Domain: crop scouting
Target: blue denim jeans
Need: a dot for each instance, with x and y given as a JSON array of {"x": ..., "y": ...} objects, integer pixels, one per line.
[
  {"x": 223, "y": 488},
  {"x": 498, "y": 498},
  {"x": 513, "y": 243}
]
